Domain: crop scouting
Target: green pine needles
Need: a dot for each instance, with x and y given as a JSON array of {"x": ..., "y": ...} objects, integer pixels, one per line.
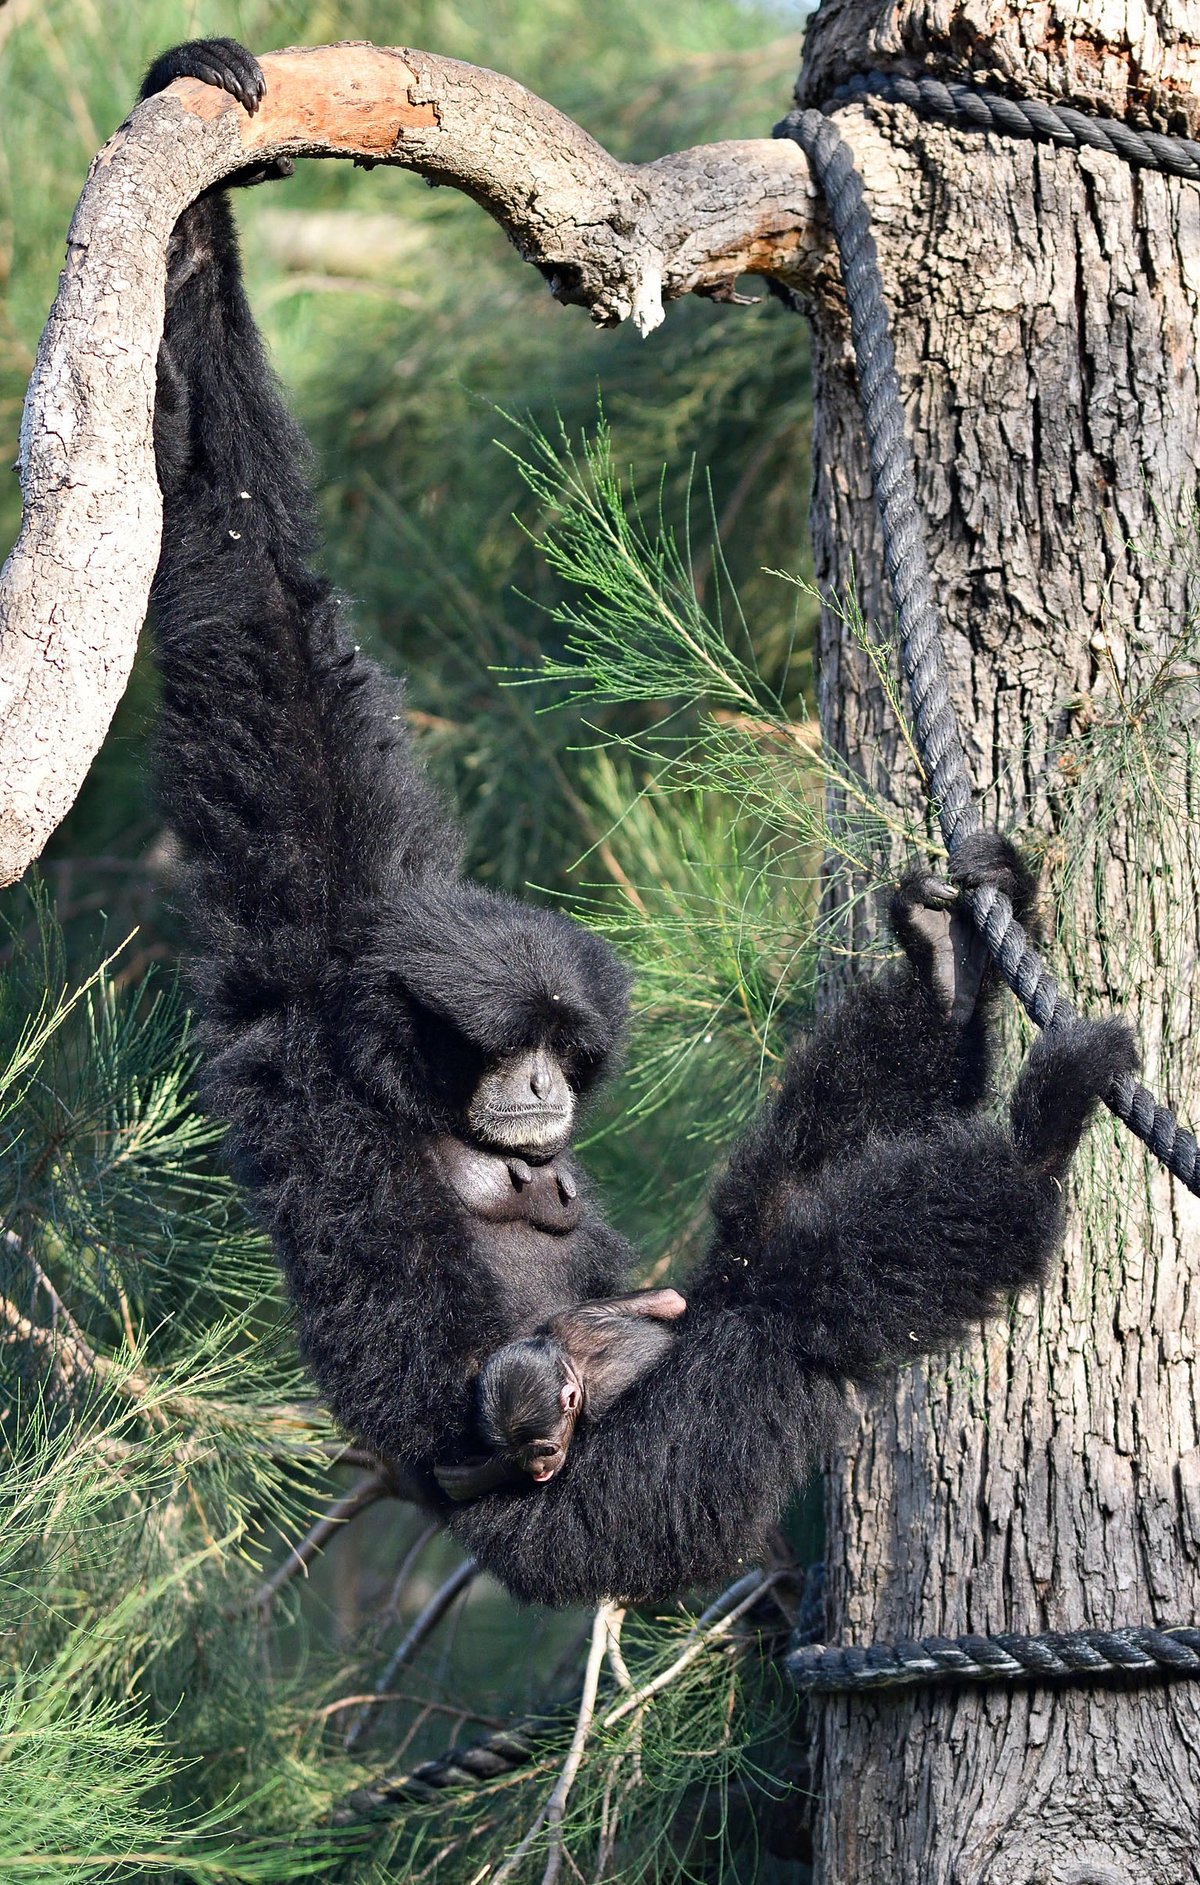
[{"x": 153, "y": 1433}]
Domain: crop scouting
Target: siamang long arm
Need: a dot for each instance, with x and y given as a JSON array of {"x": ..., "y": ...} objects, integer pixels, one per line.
[
  {"x": 301, "y": 804},
  {"x": 286, "y": 773}
]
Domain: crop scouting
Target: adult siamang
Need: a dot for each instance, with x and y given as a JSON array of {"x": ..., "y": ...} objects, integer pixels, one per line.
[{"x": 399, "y": 1054}]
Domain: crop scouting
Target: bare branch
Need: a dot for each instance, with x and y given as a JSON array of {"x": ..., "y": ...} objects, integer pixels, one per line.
[
  {"x": 423, "y": 1627},
  {"x": 617, "y": 239},
  {"x": 617, "y": 1791},
  {"x": 368, "y": 1491},
  {"x": 66, "y": 1353},
  {"x": 551, "y": 1814},
  {"x": 408, "y": 1564},
  {"x": 454, "y": 1709},
  {"x": 716, "y": 1622}
]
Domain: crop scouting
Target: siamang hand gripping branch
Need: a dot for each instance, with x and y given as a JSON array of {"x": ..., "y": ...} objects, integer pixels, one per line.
[{"x": 399, "y": 1055}]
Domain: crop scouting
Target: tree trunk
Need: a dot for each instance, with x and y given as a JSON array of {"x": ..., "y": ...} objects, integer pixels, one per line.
[{"x": 1047, "y": 323}]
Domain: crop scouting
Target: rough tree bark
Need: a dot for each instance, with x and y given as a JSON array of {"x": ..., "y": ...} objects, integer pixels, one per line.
[
  {"x": 1047, "y": 319},
  {"x": 618, "y": 239}
]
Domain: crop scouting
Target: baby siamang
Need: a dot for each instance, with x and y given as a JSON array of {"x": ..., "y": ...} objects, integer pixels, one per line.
[
  {"x": 532, "y": 1393},
  {"x": 399, "y": 1054}
]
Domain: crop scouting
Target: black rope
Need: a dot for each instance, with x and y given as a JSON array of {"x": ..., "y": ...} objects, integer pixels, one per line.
[
  {"x": 922, "y": 655},
  {"x": 973, "y": 108},
  {"x": 1059, "y": 1653},
  {"x": 474, "y": 1764}
]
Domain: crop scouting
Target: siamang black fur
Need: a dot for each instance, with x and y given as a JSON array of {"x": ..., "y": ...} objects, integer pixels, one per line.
[{"x": 354, "y": 991}]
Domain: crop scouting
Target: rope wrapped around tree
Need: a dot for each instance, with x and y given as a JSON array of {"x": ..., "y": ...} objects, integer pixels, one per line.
[{"x": 1138, "y": 1650}]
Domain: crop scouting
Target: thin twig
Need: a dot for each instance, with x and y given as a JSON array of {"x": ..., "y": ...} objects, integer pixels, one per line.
[
  {"x": 493, "y": 1723},
  {"x": 556, "y": 1806},
  {"x": 619, "y": 1666},
  {"x": 721, "y": 1616},
  {"x": 611, "y": 1807},
  {"x": 423, "y": 1626},
  {"x": 551, "y": 1814},
  {"x": 69, "y": 1355},
  {"x": 371, "y": 1488},
  {"x": 407, "y": 1565},
  {"x": 714, "y": 1622}
]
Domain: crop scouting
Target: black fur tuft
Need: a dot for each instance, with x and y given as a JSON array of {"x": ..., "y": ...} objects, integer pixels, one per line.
[{"x": 515, "y": 976}]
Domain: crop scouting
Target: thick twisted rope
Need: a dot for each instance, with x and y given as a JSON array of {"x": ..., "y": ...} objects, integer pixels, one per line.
[
  {"x": 971, "y": 107},
  {"x": 906, "y": 557},
  {"x": 1136, "y": 1651},
  {"x": 475, "y": 1764}
]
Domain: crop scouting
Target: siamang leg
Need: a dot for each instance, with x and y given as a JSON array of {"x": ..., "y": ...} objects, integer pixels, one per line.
[
  {"x": 895, "y": 1057},
  {"x": 900, "y": 1249},
  {"x": 1067, "y": 1069},
  {"x": 900, "y": 1052}
]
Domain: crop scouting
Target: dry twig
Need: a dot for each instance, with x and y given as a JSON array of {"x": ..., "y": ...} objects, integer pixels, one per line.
[
  {"x": 368, "y": 1491},
  {"x": 423, "y": 1626},
  {"x": 714, "y": 1623},
  {"x": 551, "y": 1814}
]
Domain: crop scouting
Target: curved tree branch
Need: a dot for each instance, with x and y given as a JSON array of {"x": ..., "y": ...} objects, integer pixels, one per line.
[{"x": 617, "y": 239}]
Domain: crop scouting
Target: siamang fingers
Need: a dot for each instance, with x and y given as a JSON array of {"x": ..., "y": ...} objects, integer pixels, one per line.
[
  {"x": 661, "y": 1305},
  {"x": 948, "y": 955},
  {"x": 470, "y": 1479},
  {"x": 220, "y": 62},
  {"x": 986, "y": 859},
  {"x": 940, "y": 941}
]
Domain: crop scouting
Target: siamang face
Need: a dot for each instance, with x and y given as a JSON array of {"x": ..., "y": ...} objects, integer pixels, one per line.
[
  {"x": 514, "y": 1011},
  {"x": 530, "y": 1398},
  {"x": 524, "y": 1103}
]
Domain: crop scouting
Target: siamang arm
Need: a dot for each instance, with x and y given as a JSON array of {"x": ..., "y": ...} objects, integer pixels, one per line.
[
  {"x": 286, "y": 771},
  {"x": 284, "y": 759}
]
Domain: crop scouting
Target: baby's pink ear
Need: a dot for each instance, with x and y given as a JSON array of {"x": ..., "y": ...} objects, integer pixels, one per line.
[{"x": 569, "y": 1396}]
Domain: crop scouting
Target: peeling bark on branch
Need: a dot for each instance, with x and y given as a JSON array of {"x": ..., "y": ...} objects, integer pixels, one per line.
[{"x": 617, "y": 239}]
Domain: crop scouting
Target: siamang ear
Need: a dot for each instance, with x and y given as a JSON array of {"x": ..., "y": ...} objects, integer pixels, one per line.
[
  {"x": 570, "y": 1398},
  {"x": 507, "y": 975}
]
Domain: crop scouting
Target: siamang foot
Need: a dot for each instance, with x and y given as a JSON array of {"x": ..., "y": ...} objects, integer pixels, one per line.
[
  {"x": 947, "y": 952},
  {"x": 462, "y": 1480},
  {"x": 940, "y": 942},
  {"x": 1068, "y": 1069},
  {"x": 986, "y": 859},
  {"x": 229, "y": 66}
]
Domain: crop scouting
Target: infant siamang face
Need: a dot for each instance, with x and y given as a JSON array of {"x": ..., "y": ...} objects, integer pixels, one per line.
[
  {"x": 530, "y": 1397},
  {"x": 524, "y": 1103}
]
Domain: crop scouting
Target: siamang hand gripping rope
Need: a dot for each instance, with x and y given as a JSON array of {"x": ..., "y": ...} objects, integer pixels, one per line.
[{"x": 399, "y": 1055}]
